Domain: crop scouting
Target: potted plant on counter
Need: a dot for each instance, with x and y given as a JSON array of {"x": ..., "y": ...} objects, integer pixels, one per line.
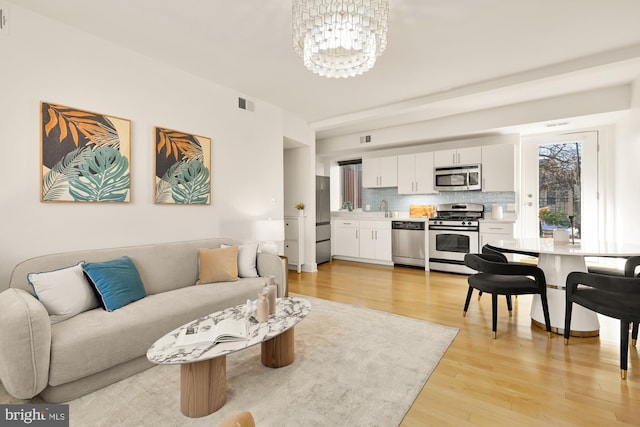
[{"x": 300, "y": 208}]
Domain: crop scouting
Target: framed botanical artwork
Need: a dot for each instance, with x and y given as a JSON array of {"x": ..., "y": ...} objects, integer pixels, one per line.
[
  {"x": 182, "y": 168},
  {"x": 84, "y": 156}
]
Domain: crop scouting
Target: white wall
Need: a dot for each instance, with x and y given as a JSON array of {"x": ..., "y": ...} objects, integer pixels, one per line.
[
  {"x": 299, "y": 181},
  {"x": 627, "y": 172},
  {"x": 45, "y": 60}
]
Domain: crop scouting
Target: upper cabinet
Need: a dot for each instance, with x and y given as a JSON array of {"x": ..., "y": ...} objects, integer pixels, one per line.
[
  {"x": 380, "y": 172},
  {"x": 461, "y": 156},
  {"x": 498, "y": 167},
  {"x": 415, "y": 173}
]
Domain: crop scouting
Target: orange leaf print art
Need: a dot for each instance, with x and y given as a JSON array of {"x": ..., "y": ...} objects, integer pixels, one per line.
[
  {"x": 93, "y": 127},
  {"x": 176, "y": 143}
]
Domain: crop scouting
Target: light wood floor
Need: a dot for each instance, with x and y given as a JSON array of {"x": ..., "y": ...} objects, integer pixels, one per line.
[{"x": 522, "y": 378}]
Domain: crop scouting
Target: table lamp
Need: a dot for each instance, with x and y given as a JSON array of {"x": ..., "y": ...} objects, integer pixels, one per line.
[{"x": 268, "y": 232}]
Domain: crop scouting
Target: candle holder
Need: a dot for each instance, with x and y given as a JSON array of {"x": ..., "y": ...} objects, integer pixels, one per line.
[{"x": 571, "y": 229}]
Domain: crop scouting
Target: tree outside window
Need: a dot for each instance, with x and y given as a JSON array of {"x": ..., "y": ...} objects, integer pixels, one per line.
[{"x": 559, "y": 187}]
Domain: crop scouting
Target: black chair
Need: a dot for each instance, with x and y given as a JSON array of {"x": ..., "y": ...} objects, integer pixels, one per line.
[
  {"x": 497, "y": 277},
  {"x": 490, "y": 250},
  {"x": 613, "y": 296}
]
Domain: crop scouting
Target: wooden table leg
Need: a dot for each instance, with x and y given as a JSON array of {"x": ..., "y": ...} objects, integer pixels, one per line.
[
  {"x": 203, "y": 387},
  {"x": 279, "y": 351}
]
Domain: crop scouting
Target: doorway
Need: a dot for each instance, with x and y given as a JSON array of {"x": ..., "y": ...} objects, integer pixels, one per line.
[{"x": 560, "y": 185}]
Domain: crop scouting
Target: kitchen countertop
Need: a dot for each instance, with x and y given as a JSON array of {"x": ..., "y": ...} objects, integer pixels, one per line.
[
  {"x": 376, "y": 216},
  {"x": 404, "y": 216}
]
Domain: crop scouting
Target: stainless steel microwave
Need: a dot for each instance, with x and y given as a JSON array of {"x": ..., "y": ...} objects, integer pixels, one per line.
[{"x": 458, "y": 178}]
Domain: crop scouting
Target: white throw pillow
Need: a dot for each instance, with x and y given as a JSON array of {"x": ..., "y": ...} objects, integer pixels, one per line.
[
  {"x": 247, "y": 255},
  {"x": 64, "y": 292}
]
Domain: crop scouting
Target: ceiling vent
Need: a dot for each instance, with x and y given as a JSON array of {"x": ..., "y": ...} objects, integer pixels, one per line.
[
  {"x": 245, "y": 104},
  {"x": 365, "y": 139}
]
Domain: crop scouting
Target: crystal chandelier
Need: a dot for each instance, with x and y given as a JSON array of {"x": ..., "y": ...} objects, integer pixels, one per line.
[{"x": 340, "y": 38}]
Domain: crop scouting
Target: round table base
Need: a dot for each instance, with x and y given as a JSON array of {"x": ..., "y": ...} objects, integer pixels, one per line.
[
  {"x": 279, "y": 351},
  {"x": 203, "y": 387},
  {"x": 579, "y": 334}
]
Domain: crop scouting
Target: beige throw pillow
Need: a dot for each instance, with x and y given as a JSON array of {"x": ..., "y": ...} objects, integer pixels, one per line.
[{"x": 218, "y": 265}]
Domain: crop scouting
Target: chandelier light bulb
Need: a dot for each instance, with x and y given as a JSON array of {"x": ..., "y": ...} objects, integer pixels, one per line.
[{"x": 340, "y": 38}]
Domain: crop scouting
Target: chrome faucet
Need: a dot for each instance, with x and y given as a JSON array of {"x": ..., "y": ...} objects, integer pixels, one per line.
[{"x": 385, "y": 206}]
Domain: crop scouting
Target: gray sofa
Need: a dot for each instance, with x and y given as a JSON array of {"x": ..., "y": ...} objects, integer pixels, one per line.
[{"x": 93, "y": 349}]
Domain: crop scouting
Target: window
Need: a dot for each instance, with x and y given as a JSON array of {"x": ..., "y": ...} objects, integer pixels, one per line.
[
  {"x": 351, "y": 183},
  {"x": 559, "y": 187}
]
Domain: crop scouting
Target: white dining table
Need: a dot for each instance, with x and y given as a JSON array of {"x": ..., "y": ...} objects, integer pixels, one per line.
[{"x": 557, "y": 260}]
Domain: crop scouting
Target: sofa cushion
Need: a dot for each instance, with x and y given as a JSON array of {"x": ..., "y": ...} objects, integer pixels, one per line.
[
  {"x": 117, "y": 282},
  {"x": 64, "y": 292},
  {"x": 247, "y": 255},
  {"x": 96, "y": 340},
  {"x": 218, "y": 265}
]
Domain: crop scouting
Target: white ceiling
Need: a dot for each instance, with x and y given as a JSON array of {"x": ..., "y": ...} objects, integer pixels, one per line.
[{"x": 443, "y": 57}]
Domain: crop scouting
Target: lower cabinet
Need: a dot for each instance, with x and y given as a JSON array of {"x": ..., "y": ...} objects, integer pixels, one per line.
[
  {"x": 375, "y": 240},
  {"x": 346, "y": 235},
  {"x": 490, "y": 231},
  {"x": 362, "y": 240}
]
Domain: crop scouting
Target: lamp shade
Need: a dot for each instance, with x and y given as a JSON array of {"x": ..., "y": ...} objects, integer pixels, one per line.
[{"x": 269, "y": 230}]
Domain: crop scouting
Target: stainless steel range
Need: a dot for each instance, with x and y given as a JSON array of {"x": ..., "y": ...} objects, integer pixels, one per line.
[{"x": 453, "y": 233}]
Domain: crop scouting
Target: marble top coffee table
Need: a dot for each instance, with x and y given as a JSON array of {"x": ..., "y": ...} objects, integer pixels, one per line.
[{"x": 203, "y": 376}]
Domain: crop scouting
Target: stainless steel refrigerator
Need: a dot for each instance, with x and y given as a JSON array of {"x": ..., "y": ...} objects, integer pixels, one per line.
[{"x": 323, "y": 220}]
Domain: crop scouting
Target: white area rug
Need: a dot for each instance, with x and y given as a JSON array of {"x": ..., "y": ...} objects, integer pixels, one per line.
[{"x": 354, "y": 367}]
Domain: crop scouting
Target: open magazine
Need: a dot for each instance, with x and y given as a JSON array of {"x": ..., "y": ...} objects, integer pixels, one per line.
[{"x": 226, "y": 330}]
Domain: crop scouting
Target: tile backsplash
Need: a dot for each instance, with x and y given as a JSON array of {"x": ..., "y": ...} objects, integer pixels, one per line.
[{"x": 400, "y": 202}]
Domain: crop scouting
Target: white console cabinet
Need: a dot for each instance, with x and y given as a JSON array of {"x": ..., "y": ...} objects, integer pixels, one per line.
[{"x": 294, "y": 240}]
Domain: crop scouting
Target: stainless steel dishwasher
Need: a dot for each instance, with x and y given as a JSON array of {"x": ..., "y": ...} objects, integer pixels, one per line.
[{"x": 407, "y": 243}]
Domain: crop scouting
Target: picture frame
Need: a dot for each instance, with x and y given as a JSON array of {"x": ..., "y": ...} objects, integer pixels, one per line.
[
  {"x": 182, "y": 168},
  {"x": 85, "y": 157}
]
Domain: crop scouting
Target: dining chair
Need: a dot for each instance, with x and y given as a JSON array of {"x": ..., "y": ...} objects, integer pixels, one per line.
[
  {"x": 490, "y": 250},
  {"x": 613, "y": 296},
  {"x": 497, "y": 277}
]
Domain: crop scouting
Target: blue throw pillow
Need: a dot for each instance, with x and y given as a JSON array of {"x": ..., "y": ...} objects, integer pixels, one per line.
[{"x": 117, "y": 282}]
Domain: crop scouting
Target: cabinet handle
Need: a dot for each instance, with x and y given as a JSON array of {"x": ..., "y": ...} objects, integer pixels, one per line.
[
  {"x": 453, "y": 158},
  {"x": 458, "y": 158},
  {"x": 376, "y": 234},
  {"x": 372, "y": 235},
  {"x": 416, "y": 186},
  {"x": 356, "y": 234}
]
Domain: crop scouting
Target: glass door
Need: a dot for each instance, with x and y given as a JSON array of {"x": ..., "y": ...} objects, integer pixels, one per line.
[{"x": 560, "y": 185}]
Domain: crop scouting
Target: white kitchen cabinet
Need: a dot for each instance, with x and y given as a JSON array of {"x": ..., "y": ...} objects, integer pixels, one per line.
[
  {"x": 294, "y": 241},
  {"x": 347, "y": 238},
  {"x": 499, "y": 167},
  {"x": 375, "y": 240},
  {"x": 415, "y": 173},
  {"x": 493, "y": 230},
  {"x": 459, "y": 157},
  {"x": 380, "y": 172}
]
